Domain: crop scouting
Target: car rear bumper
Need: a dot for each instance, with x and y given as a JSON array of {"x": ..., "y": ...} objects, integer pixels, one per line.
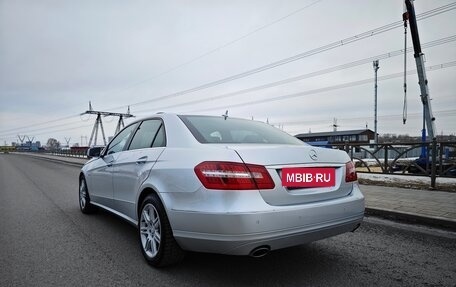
[{"x": 274, "y": 226}]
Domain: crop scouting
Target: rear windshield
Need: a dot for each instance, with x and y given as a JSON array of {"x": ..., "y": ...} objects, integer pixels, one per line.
[{"x": 209, "y": 129}]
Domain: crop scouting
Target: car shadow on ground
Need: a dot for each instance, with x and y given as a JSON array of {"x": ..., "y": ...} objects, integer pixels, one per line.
[{"x": 293, "y": 266}]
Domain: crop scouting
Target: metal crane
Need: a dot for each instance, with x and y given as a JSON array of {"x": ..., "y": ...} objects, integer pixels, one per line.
[{"x": 419, "y": 60}]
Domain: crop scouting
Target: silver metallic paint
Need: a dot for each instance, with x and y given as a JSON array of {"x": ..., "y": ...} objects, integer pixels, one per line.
[{"x": 230, "y": 222}]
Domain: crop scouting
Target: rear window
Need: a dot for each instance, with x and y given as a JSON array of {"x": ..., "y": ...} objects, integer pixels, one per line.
[{"x": 208, "y": 129}]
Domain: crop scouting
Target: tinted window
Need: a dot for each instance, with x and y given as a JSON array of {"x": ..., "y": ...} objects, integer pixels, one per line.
[
  {"x": 145, "y": 134},
  {"x": 208, "y": 129},
  {"x": 118, "y": 143}
]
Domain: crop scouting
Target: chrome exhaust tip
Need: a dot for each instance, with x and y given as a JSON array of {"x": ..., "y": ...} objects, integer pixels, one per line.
[{"x": 260, "y": 251}]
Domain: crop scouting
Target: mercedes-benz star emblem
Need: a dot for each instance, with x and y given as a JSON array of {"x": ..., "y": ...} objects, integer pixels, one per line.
[{"x": 313, "y": 154}]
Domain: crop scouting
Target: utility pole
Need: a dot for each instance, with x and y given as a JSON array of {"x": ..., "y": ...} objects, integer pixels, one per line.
[
  {"x": 82, "y": 142},
  {"x": 335, "y": 125},
  {"x": 376, "y": 67}
]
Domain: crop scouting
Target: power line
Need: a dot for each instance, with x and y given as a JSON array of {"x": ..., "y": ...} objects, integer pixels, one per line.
[
  {"x": 333, "y": 45},
  {"x": 49, "y": 131},
  {"x": 28, "y": 131},
  {"x": 329, "y": 88},
  {"x": 62, "y": 130},
  {"x": 385, "y": 118},
  {"x": 300, "y": 56},
  {"x": 218, "y": 48},
  {"x": 69, "y": 126},
  {"x": 309, "y": 75},
  {"x": 39, "y": 124},
  {"x": 189, "y": 61},
  {"x": 39, "y": 129},
  {"x": 325, "y": 89},
  {"x": 395, "y": 116},
  {"x": 441, "y": 113},
  {"x": 370, "y": 33}
]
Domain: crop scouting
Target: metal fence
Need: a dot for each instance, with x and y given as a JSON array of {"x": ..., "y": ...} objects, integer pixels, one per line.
[
  {"x": 430, "y": 159},
  {"x": 68, "y": 153}
]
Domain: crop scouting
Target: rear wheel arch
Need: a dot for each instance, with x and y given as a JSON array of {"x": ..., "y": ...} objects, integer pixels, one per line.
[{"x": 144, "y": 193}]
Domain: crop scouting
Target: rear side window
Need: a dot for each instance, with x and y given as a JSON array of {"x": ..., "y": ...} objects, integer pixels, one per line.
[
  {"x": 146, "y": 133},
  {"x": 207, "y": 129}
]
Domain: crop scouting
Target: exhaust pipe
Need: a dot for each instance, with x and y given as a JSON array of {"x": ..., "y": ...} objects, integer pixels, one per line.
[{"x": 260, "y": 251}]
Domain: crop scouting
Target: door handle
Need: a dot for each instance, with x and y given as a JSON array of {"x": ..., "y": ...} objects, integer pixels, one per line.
[{"x": 141, "y": 160}]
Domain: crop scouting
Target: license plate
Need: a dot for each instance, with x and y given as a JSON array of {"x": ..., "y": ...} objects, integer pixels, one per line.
[{"x": 309, "y": 177}]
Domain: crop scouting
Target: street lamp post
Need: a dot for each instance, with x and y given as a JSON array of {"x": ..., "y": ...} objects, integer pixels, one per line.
[{"x": 376, "y": 67}]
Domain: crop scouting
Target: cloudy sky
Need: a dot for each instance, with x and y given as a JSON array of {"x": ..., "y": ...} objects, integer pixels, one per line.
[{"x": 262, "y": 59}]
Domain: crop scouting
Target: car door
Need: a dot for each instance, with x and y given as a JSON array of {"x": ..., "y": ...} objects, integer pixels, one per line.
[
  {"x": 133, "y": 166},
  {"x": 100, "y": 176}
]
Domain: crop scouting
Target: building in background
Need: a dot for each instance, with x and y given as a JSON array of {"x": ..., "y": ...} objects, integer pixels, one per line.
[
  {"x": 28, "y": 146},
  {"x": 326, "y": 139}
]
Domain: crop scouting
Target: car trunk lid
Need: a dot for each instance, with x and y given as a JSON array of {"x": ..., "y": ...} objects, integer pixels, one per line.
[{"x": 276, "y": 158}]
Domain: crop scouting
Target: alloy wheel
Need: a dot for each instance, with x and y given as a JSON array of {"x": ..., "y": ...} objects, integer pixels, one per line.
[
  {"x": 82, "y": 194},
  {"x": 150, "y": 230}
]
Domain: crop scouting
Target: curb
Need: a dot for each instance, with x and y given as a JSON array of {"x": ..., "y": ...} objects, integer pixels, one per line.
[
  {"x": 61, "y": 160},
  {"x": 410, "y": 217}
]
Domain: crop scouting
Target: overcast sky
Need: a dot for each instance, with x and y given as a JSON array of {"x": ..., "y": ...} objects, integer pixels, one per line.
[{"x": 57, "y": 55}]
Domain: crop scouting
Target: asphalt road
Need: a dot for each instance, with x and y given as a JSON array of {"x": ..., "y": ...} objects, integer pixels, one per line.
[{"x": 46, "y": 241}]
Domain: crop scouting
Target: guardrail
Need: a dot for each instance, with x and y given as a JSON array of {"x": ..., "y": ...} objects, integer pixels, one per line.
[
  {"x": 439, "y": 158},
  {"x": 67, "y": 153}
]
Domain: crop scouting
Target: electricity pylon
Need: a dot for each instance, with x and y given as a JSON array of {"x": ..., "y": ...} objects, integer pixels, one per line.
[{"x": 99, "y": 123}]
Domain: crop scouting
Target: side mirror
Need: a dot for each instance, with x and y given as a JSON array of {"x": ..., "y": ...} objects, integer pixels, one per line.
[{"x": 94, "y": 151}]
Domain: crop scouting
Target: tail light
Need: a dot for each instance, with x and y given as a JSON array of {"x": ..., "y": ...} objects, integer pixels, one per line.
[
  {"x": 350, "y": 172},
  {"x": 233, "y": 176}
]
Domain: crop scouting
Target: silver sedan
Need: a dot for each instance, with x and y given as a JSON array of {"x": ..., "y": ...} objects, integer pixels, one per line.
[{"x": 220, "y": 185}]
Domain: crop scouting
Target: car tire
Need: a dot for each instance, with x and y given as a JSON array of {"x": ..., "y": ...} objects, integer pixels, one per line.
[
  {"x": 84, "y": 198},
  {"x": 156, "y": 239}
]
